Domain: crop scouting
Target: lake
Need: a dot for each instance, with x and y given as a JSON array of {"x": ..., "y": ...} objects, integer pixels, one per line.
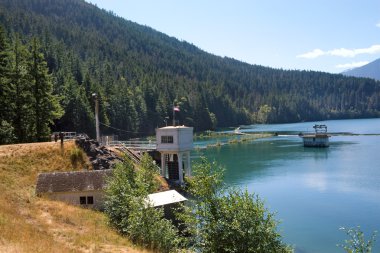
[{"x": 314, "y": 191}]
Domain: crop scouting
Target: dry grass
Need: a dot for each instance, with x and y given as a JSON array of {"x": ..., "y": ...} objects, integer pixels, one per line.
[{"x": 32, "y": 224}]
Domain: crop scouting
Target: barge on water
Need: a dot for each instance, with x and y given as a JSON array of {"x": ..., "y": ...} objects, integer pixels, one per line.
[{"x": 318, "y": 139}]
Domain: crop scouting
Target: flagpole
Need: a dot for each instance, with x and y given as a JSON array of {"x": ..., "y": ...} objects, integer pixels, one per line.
[{"x": 173, "y": 115}]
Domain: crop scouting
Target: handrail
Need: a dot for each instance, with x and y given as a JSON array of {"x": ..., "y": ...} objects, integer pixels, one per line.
[
  {"x": 135, "y": 144},
  {"x": 134, "y": 156}
]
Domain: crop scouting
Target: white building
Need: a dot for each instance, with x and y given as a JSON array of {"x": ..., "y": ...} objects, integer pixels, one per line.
[{"x": 175, "y": 144}]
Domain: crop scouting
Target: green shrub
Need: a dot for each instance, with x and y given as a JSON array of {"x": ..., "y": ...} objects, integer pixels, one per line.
[
  {"x": 222, "y": 219},
  {"x": 129, "y": 213},
  {"x": 356, "y": 242},
  {"x": 77, "y": 157}
]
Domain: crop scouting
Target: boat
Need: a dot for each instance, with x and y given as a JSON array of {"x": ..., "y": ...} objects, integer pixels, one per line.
[
  {"x": 318, "y": 139},
  {"x": 237, "y": 131}
]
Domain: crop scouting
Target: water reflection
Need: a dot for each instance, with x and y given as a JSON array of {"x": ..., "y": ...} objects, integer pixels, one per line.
[
  {"x": 314, "y": 190},
  {"x": 317, "y": 180}
]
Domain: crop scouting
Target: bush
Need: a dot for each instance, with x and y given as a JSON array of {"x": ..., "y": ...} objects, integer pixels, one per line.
[
  {"x": 218, "y": 219},
  {"x": 130, "y": 214},
  {"x": 222, "y": 219},
  {"x": 77, "y": 157},
  {"x": 148, "y": 174},
  {"x": 356, "y": 242},
  {"x": 149, "y": 228}
]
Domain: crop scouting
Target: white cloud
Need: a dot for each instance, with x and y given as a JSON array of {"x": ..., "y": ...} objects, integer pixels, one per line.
[
  {"x": 313, "y": 54},
  {"x": 378, "y": 24},
  {"x": 352, "y": 65},
  {"x": 341, "y": 52}
]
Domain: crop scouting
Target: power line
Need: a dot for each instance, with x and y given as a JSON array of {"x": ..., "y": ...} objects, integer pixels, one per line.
[{"x": 121, "y": 129}]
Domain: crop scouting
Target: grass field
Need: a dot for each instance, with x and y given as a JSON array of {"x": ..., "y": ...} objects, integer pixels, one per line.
[{"x": 32, "y": 224}]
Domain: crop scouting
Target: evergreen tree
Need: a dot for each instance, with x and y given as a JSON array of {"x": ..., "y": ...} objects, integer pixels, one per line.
[
  {"x": 6, "y": 98},
  {"x": 23, "y": 120},
  {"x": 78, "y": 116},
  {"x": 112, "y": 56},
  {"x": 46, "y": 106}
]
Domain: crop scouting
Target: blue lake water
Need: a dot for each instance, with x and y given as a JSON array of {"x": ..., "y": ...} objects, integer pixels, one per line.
[{"x": 314, "y": 191}]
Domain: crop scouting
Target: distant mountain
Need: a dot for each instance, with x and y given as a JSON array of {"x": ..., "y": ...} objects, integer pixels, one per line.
[
  {"x": 138, "y": 73},
  {"x": 370, "y": 70}
]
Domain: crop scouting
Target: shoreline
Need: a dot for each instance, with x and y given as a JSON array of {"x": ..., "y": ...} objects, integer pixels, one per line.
[{"x": 235, "y": 139}]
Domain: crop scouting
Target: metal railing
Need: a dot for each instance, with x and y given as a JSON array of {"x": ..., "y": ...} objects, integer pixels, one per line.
[
  {"x": 140, "y": 145},
  {"x": 133, "y": 154}
]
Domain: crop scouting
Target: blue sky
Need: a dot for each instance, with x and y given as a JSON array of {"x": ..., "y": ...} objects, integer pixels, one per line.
[{"x": 321, "y": 35}]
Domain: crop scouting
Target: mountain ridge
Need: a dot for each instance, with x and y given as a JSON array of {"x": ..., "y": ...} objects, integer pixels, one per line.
[
  {"x": 140, "y": 73},
  {"x": 370, "y": 70}
]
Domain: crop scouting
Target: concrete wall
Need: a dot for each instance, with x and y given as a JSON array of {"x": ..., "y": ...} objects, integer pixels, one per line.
[
  {"x": 182, "y": 138},
  {"x": 310, "y": 141},
  {"x": 73, "y": 198}
]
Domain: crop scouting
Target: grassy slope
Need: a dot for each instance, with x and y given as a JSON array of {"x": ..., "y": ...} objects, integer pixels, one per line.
[{"x": 32, "y": 224}]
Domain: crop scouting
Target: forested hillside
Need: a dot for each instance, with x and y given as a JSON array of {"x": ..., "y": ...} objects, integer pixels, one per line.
[{"x": 139, "y": 73}]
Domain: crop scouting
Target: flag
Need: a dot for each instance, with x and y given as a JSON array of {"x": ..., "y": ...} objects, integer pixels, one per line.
[{"x": 176, "y": 108}]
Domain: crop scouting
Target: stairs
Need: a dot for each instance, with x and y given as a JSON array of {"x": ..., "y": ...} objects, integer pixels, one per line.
[{"x": 134, "y": 155}]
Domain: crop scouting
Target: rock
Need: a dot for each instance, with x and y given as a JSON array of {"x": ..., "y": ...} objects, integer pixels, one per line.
[{"x": 100, "y": 156}]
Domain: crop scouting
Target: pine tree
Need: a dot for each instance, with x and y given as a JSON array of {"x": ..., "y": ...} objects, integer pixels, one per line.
[
  {"x": 6, "y": 99},
  {"x": 22, "y": 94},
  {"x": 46, "y": 106}
]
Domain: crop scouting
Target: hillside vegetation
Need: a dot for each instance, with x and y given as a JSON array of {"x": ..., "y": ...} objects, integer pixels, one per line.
[
  {"x": 139, "y": 73},
  {"x": 32, "y": 224}
]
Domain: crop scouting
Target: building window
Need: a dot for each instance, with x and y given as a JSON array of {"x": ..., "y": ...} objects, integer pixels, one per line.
[
  {"x": 166, "y": 139},
  {"x": 90, "y": 200},
  {"x": 82, "y": 200}
]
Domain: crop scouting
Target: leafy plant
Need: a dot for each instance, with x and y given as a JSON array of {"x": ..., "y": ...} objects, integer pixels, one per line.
[
  {"x": 129, "y": 212},
  {"x": 356, "y": 242},
  {"x": 148, "y": 173},
  {"x": 222, "y": 219},
  {"x": 77, "y": 157}
]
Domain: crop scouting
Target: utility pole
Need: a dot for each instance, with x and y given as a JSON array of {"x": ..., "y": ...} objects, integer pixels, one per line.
[{"x": 95, "y": 96}]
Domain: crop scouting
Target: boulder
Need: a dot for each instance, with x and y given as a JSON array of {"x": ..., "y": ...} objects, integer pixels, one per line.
[{"x": 100, "y": 157}]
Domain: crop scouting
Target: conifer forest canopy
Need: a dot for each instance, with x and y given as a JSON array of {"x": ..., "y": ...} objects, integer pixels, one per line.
[{"x": 139, "y": 73}]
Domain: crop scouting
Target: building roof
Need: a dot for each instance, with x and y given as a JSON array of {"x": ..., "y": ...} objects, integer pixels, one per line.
[
  {"x": 74, "y": 181},
  {"x": 165, "y": 198},
  {"x": 176, "y": 127}
]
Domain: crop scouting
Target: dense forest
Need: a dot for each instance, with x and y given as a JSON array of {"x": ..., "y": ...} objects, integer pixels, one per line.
[{"x": 139, "y": 74}]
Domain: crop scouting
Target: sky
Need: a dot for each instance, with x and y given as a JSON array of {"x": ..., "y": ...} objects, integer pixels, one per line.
[{"x": 321, "y": 35}]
